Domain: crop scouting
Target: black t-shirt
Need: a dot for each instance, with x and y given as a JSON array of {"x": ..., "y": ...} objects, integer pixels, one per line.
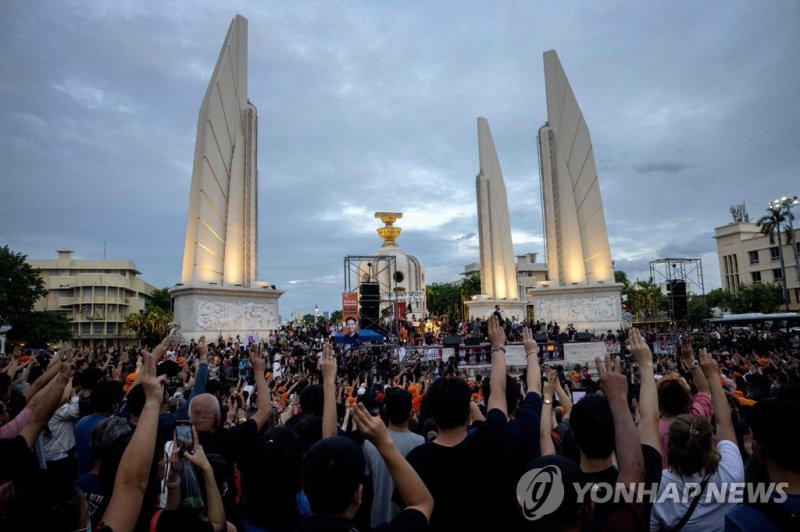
[
  {"x": 231, "y": 442},
  {"x": 405, "y": 521},
  {"x": 652, "y": 475},
  {"x": 652, "y": 469},
  {"x": 19, "y": 462},
  {"x": 452, "y": 474}
]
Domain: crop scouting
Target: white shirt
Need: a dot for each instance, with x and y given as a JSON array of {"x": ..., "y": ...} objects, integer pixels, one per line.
[
  {"x": 709, "y": 514},
  {"x": 59, "y": 437}
]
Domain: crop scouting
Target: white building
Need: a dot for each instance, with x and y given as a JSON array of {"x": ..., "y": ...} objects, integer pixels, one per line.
[
  {"x": 95, "y": 295},
  {"x": 746, "y": 257}
]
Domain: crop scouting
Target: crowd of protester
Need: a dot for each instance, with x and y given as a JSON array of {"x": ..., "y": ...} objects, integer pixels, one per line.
[{"x": 297, "y": 432}]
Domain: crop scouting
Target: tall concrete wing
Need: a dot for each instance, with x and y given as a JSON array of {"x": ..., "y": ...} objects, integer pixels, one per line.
[
  {"x": 575, "y": 228},
  {"x": 219, "y": 293},
  {"x": 221, "y": 240},
  {"x": 498, "y": 270}
]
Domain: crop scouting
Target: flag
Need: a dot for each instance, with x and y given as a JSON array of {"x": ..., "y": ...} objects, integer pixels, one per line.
[{"x": 84, "y": 308}]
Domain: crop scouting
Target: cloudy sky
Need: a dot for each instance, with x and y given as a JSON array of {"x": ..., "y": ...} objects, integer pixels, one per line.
[{"x": 367, "y": 106}]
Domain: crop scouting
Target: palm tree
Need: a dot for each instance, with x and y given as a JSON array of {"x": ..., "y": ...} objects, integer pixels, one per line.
[{"x": 770, "y": 224}]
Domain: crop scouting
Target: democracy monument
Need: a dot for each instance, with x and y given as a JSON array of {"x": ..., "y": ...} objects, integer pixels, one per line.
[
  {"x": 579, "y": 288},
  {"x": 219, "y": 292},
  {"x": 498, "y": 271}
]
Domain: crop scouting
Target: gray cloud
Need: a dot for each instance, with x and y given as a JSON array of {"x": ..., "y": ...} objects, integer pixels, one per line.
[
  {"x": 369, "y": 106},
  {"x": 662, "y": 167}
]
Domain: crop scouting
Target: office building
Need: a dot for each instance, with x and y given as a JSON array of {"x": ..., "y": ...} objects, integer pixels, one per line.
[{"x": 95, "y": 295}]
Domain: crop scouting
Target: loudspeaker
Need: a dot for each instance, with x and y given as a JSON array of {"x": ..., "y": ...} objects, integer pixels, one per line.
[
  {"x": 583, "y": 337},
  {"x": 563, "y": 338},
  {"x": 472, "y": 340},
  {"x": 369, "y": 292},
  {"x": 451, "y": 341},
  {"x": 369, "y": 302},
  {"x": 540, "y": 337},
  {"x": 676, "y": 289}
]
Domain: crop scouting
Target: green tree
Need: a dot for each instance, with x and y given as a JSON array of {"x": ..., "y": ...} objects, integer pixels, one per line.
[
  {"x": 698, "y": 310},
  {"x": 719, "y": 298},
  {"x": 770, "y": 225},
  {"x": 758, "y": 297},
  {"x": 447, "y": 299},
  {"x": 20, "y": 286},
  {"x": 336, "y": 316},
  {"x": 443, "y": 299},
  {"x": 645, "y": 299},
  {"x": 308, "y": 318},
  {"x": 471, "y": 286},
  {"x": 36, "y": 329},
  {"x": 160, "y": 298},
  {"x": 621, "y": 277},
  {"x": 151, "y": 326}
]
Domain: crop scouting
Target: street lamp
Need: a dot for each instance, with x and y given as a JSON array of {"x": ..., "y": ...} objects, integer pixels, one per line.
[{"x": 789, "y": 203}]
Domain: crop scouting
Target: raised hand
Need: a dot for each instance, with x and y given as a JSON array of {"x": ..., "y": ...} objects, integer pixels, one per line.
[
  {"x": 497, "y": 336},
  {"x": 549, "y": 385},
  {"x": 175, "y": 462},
  {"x": 709, "y": 366},
  {"x": 153, "y": 386},
  {"x": 202, "y": 348},
  {"x": 371, "y": 427},
  {"x": 197, "y": 456},
  {"x": 328, "y": 364},
  {"x": 531, "y": 347},
  {"x": 161, "y": 349},
  {"x": 687, "y": 352},
  {"x": 612, "y": 381},
  {"x": 639, "y": 348},
  {"x": 258, "y": 362}
]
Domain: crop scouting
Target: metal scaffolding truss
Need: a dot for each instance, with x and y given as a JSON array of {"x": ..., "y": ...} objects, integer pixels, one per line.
[
  {"x": 377, "y": 265},
  {"x": 378, "y": 269},
  {"x": 690, "y": 271}
]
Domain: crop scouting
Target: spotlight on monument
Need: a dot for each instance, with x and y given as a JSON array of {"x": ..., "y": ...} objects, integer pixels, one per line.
[
  {"x": 219, "y": 292},
  {"x": 580, "y": 272}
]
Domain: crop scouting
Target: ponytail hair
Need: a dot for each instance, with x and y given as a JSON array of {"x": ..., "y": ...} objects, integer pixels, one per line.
[{"x": 691, "y": 446}]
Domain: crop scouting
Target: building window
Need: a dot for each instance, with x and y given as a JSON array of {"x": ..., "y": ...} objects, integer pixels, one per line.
[
  {"x": 753, "y": 257},
  {"x": 777, "y": 274},
  {"x": 756, "y": 277},
  {"x": 63, "y": 292},
  {"x": 774, "y": 253}
]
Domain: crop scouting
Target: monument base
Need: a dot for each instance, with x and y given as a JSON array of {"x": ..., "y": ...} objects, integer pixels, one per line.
[
  {"x": 483, "y": 308},
  {"x": 225, "y": 311},
  {"x": 596, "y": 308}
]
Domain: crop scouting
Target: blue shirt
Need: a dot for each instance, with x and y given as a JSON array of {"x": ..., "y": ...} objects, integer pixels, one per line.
[
  {"x": 83, "y": 442},
  {"x": 745, "y": 517},
  {"x": 89, "y": 485}
]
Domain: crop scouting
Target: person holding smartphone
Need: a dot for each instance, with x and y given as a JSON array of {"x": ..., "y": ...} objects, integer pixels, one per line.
[{"x": 186, "y": 448}]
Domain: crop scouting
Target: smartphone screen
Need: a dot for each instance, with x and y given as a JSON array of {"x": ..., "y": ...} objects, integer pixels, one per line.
[
  {"x": 577, "y": 395},
  {"x": 183, "y": 433}
]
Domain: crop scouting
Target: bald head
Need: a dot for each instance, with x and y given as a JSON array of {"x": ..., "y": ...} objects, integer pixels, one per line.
[{"x": 204, "y": 412}]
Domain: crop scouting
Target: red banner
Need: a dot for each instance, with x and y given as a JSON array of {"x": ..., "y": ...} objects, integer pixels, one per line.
[{"x": 349, "y": 306}]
